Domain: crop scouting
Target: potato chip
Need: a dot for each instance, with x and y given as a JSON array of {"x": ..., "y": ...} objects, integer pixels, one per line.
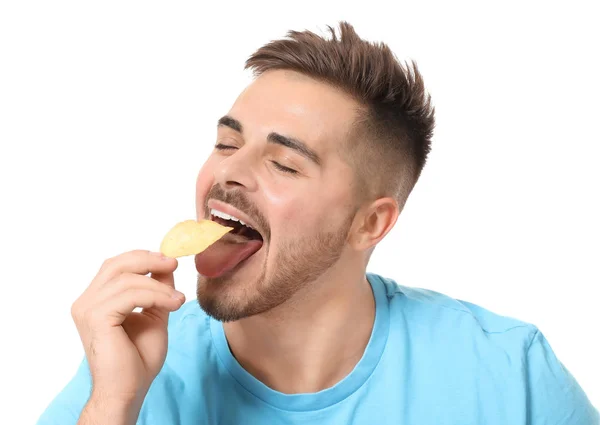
[{"x": 192, "y": 237}]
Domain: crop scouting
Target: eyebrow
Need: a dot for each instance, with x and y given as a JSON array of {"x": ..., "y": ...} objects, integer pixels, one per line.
[
  {"x": 232, "y": 123},
  {"x": 275, "y": 138}
]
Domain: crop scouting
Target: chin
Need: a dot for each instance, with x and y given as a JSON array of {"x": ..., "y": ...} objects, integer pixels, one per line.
[{"x": 237, "y": 293}]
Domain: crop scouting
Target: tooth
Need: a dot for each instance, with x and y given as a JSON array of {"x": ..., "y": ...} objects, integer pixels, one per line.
[
  {"x": 223, "y": 215},
  {"x": 247, "y": 225},
  {"x": 226, "y": 216}
]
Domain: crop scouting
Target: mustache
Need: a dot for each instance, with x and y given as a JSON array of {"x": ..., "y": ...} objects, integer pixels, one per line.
[{"x": 239, "y": 200}]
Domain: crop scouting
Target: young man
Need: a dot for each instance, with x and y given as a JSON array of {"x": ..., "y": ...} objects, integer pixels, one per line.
[{"x": 317, "y": 157}]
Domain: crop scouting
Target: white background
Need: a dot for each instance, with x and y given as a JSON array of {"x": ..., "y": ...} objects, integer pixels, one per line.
[{"x": 108, "y": 109}]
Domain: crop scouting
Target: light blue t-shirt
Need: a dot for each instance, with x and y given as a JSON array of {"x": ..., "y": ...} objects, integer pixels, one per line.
[{"x": 431, "y": 360}]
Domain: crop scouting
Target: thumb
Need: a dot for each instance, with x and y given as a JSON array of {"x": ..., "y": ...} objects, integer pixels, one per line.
[{"x": 169, "y": 280}]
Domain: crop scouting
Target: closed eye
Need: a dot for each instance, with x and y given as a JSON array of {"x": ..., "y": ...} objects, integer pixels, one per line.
[
  {"x": 277, "y": 165},
  {"x": 222, "y": 147},
  {"x": 283, "y": 168}
]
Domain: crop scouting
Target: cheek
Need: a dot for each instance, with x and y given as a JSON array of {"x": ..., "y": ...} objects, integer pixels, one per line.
[
  {"x": 293, "y": 215},
  {"x": 311, "y": 208},
  {"x": 286, "y": 205},
  {"x": 325, "y": 210}
]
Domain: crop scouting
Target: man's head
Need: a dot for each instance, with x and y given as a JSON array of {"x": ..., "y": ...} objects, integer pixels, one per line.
[{"x": 318, "y": 155}]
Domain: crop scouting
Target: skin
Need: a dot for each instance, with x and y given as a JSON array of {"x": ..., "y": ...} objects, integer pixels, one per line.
[
  {"x": 303, "y": 309},
  {"x": 300, "y": 310},
  {"x": 125, "y": 350}
]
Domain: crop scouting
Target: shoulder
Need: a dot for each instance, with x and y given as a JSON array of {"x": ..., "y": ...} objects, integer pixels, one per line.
[
  {"x": 497, "y": 357},
  {"x": 440, "y": 313}
]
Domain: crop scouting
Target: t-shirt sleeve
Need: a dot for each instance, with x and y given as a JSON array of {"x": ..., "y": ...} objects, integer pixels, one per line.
[
  {"x": 554, "y": 397},
  {"x": 67, "y": 406}
]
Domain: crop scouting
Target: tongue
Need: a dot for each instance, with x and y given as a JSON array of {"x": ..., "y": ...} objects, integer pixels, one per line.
[{"x": 222, "y": 256}]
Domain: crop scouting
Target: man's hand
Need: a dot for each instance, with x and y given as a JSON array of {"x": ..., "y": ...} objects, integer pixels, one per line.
[{"x": 126, "y": 350}]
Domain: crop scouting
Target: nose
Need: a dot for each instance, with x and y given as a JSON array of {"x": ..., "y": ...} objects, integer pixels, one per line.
[{"x": 236, "y": 171}]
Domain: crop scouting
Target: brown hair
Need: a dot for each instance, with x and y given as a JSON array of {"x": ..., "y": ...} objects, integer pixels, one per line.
[{"x": 391, "y": 137}]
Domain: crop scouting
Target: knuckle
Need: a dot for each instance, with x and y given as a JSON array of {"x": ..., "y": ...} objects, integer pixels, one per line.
[
  {"x": 139, "y": 253},
  {"x": 78, "y": 307},
  {"x": 107, "y": 264},
  {"x": 75, "y": 311},
  {"x": 136, "y": 253}
]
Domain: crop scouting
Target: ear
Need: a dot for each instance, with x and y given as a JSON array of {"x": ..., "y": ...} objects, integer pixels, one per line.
[{"x": 372, "y": 222}]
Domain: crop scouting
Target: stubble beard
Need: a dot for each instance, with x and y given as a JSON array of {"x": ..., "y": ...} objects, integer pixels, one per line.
[{"x": 298, "y": 264}]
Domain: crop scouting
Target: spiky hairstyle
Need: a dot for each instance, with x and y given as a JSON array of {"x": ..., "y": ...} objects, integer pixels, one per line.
[{"x": 391, "y": 137}]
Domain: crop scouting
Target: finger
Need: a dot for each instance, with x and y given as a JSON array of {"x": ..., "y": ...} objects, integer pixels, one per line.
[
  {"x": 138, "y": 262},
  {"x": 167, "y": 280},
  {"x": 113, "y": 311},
  {"x": 127, "y": 281}
]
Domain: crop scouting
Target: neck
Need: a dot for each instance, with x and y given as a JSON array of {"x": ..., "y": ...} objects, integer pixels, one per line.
[{"x": 312, "y": 341}]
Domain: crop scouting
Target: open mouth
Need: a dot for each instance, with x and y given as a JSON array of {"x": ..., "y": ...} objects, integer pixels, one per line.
[
  {"x": 230, "y": 252},
  {"x": 239, "y": 227}
]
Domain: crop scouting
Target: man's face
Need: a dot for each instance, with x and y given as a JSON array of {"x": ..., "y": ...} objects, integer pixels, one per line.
[{"x": 278, "y": 163}]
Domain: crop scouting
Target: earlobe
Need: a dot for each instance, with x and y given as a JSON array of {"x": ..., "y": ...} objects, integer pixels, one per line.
[{"x": 373, "y": 223}]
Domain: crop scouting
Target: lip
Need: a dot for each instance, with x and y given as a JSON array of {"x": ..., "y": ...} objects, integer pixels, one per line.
[{"x": 228, "y": 209}]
